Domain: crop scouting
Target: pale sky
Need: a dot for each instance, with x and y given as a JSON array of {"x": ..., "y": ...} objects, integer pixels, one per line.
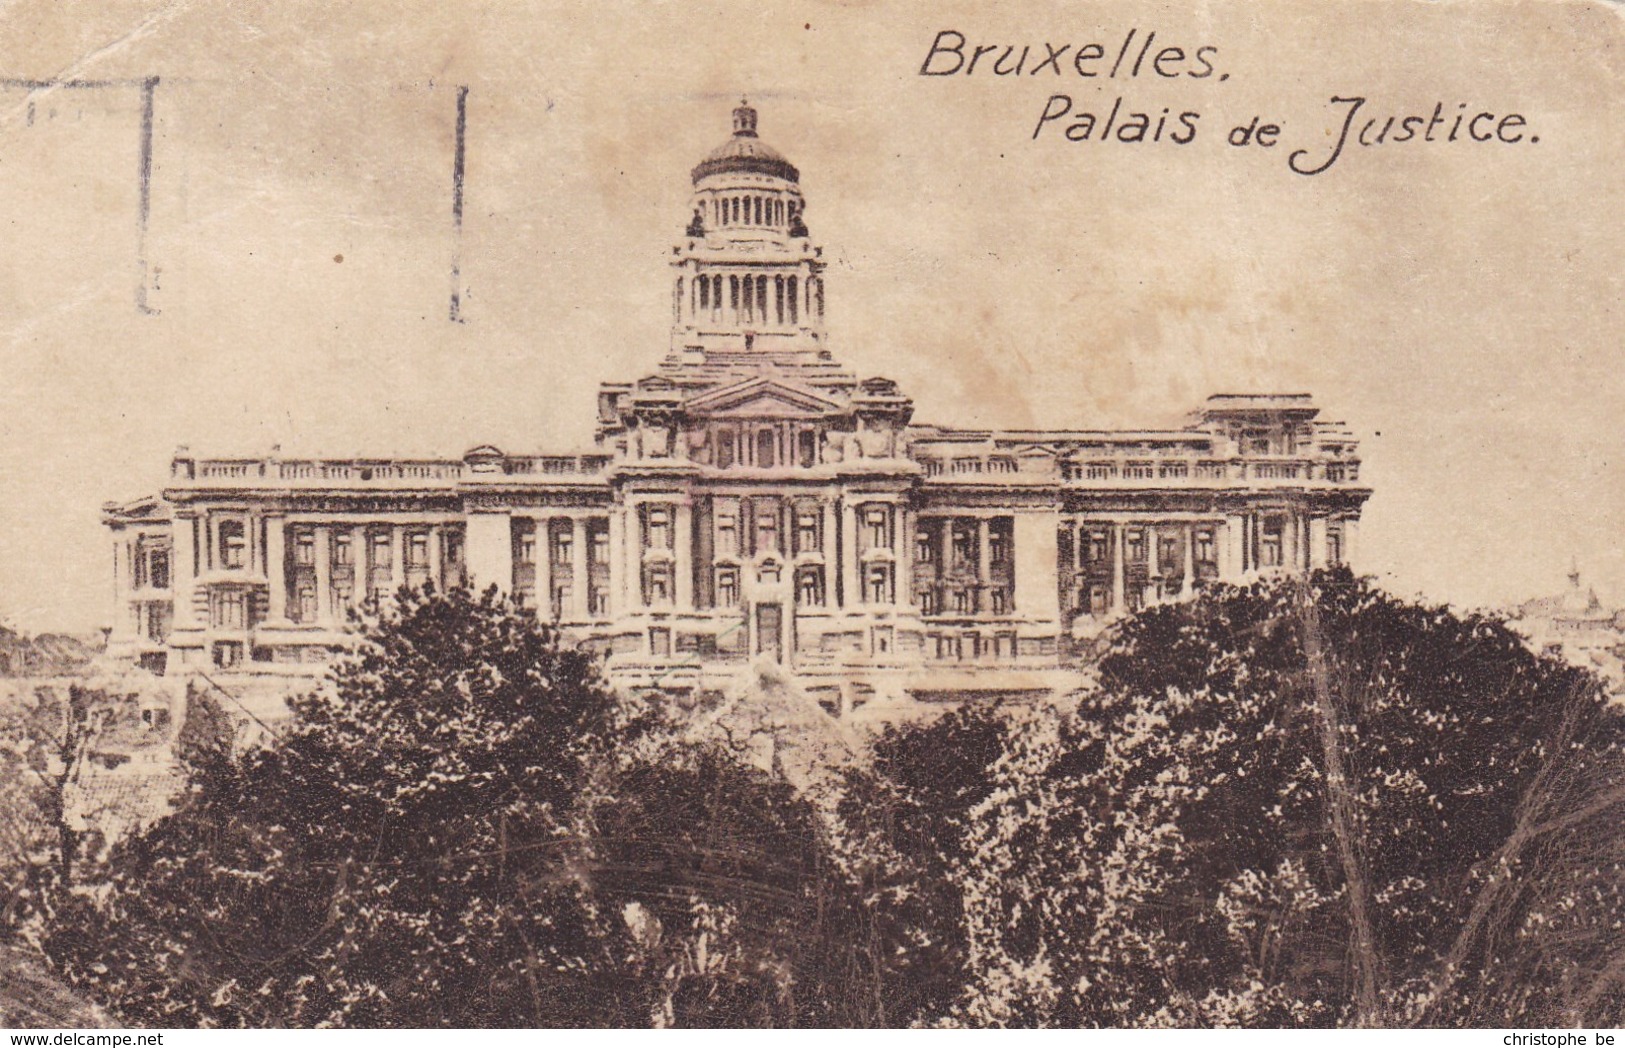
[{"x": 1458, "y": 304}]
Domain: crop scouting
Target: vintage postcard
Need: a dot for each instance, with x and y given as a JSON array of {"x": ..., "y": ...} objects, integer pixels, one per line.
[{"x": 823, "y": 514}]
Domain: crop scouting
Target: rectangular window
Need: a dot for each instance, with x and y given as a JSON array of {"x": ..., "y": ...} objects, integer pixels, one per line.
[
  {"x": 810, "y": 588},
  {"x": 1000, "y": 600},
  {"x": 305, "y": 603},
  {"x": 1269, "y": 542},
  {"x": 227, "y": 653},
  {"x": 964, "y": 544},
  {"x": 807, "y": 531},
  {"x": 451, "y": 558},
  {"x": 727, "y": 587},
  {"x": 1206, "y": 549},
  {"x": 964, "y": 603},
  {"x": 877, "y": 584},
  {"x": 381, "y": 550},
  {"x": 1170, "y": 556},
  {"x": 1134, "y": 546},
  {"x": 343, "y": 550},
  {"x": 727, "y": 535},
  {"x": 1098, "y": 549},
  {"x": 659, "y": 641},
  {"x": 561, "y": 548},
  {"x": 928, "y": 602},
  {"x": 1334, "y": 545},
  {"x": 600, "y": 547},
  {"x": 1099, "y": 600},
  {"x": 417, "y": 549},
  {"x": 233, "y": 544},
  {"x": 767, "y": 532},
  {"x": 657, "y": 584},
  {"x": 922, "y": 547},
  {"x": 878, "y": 521},
  {"x": 230, "y": 609},
  {"x": 159, "y": 616},
  {"x": 304, "y": 548},
  {"x": 659, "y": 528},
  {"x": 998, "y": 547}
]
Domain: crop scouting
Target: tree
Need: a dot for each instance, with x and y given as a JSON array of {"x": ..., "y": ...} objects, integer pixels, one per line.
[
  {"x": 1302, "y": 802},
  {"x": 401, "y": 854},
  {"x": 903, "y": 821},
  {"x": 468, "y": 828}
]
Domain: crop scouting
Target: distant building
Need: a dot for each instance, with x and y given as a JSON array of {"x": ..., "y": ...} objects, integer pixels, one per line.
[
  {"x": 1576, "y": 626},
  {"x": 751, "y": 499}
]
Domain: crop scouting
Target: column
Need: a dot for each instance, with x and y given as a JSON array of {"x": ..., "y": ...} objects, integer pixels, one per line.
[
  {"x": 542, "y": 567},
  {"x": 323, "y": 552},
  {"x": 181, "y": 580},
  {"x": 849, "y": 551},
  {"x": 905, "y": 556},
  {"x": 683, "y": 547},
  {"x": 360, "y": 568},
  {"x": 1117, "y": 567},
  {"x": 1153, "y": 562},
  {"x": 617, "y": 560},
  {"x": 276, "y": 570},
  {"x": 578, "y": 568},
  {"x": 397, "y": 557},
  {"x": 489, "y": 551},
  {"x": 1230, "y": 542},
  {"x": 434, "y": 557},
  {"x": 1188, "y": 579},
  {"x": 1291, "y": 552},
  {"x": 984, "y": 565},
  {"x": 633, "y": 541},
  {"x": 1351, "y": 546}
]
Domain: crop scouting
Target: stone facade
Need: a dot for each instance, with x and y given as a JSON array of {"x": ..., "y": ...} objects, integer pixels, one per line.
[{"x": 750, "y": 501}]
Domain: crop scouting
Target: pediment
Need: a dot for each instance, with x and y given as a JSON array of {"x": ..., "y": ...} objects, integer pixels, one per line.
[{"x": 762, "y": 398}]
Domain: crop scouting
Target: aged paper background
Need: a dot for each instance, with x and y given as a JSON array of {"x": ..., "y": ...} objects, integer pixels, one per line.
[{"x": 1457, "y": 303}]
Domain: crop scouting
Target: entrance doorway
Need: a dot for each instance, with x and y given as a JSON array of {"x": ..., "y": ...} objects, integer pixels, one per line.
[{"x": 769, "y": 628}]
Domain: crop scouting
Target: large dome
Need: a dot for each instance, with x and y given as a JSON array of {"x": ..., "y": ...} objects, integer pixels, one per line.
[{"x": 744, "y": 153}]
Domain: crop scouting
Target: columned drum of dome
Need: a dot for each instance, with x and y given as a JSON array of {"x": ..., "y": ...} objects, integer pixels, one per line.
[{"x": 750, "y": 506}]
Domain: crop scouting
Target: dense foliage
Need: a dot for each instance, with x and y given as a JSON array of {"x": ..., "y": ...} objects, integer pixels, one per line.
[{"x": 1297, "y": 803}]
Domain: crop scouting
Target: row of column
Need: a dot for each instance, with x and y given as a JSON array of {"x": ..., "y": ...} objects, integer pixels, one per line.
[
  {"x": 741, "y": 299},
  {"x": 330, "y": 609}
]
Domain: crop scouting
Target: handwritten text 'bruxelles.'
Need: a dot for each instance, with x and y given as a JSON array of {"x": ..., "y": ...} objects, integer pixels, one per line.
[{"x": 1139, "y": 55}]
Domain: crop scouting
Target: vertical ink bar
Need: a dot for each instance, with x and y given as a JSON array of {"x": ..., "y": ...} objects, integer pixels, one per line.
[
  {"x": 144, "y": 210},
  {"x": 457, "y": 208}
]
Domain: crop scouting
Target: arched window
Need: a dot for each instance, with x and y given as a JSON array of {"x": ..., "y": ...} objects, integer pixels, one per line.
[
  {"x": 705, "y": 292},
  {"x": 778, "y": 301},
  {"x": 791, "y": 296},
  {"x": 725, "y": 448},
  {"x": 677, "y": 301},
  {"x": 733, "y": 296},
  {"x": 818, "y": 299},
  {"x": 747, "y": 298},
  {"x": 760, "y": 218},
  {"x": 761, "y": 296},
  {"x": 736, "y": 210},
  {"x": 766, "y": 445},
  {"x": 809, "y": 447}
]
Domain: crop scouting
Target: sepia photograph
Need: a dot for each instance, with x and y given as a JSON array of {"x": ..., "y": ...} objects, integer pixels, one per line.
[{"x": 833, "y": 515}]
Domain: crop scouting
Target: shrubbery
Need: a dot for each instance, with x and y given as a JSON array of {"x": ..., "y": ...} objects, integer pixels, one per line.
[{"x": 1298, "y": 803}]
